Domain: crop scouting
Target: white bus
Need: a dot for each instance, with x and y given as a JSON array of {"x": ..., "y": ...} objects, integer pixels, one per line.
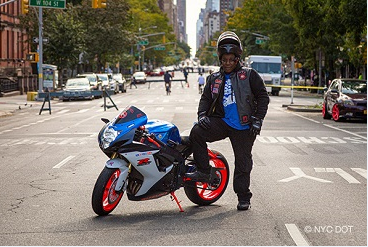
[{"x": 269, "y": 68}]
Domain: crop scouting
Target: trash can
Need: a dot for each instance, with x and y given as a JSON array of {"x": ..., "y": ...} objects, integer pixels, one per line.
[{"x": 31, "y": 96}]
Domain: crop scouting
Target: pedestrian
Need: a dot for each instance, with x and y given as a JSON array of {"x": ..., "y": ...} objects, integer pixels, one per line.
[
  {"x": 233, "y": 104},
  {"x": 167, "y": 79},
  {"x": 132, "y": 81},
  {"x": 185, "y": 72},
  {"x": 200, "y": 83}
]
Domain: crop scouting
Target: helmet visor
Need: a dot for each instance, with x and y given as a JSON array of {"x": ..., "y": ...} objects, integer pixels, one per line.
[{"x": 229, "y": 48}]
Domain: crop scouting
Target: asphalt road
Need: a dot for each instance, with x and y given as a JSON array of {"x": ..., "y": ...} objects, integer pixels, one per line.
[{"x": 309, "y": 179}]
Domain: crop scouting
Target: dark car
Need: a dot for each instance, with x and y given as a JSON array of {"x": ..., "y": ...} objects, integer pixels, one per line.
[{"x": 345, "y": 99}]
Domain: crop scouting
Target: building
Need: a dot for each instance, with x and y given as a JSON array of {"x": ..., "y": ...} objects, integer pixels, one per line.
[
  {"x": 182, "y": 19},
  {"x": 13, "y": 43},
  {"x": 226, "y": 6},
  {"x": 170, "y": 9}
]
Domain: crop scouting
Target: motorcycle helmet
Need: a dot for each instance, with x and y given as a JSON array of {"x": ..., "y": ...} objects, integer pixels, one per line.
[{"x": 229, "y": 42}]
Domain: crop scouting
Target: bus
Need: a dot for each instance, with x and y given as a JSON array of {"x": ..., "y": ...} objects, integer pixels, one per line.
[{"x": 269, "y": 68}]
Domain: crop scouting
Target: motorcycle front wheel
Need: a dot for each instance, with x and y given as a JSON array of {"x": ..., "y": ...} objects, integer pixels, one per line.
[
  {"x": 104, "y": 197},
  {"x": 204, "y": 194}
]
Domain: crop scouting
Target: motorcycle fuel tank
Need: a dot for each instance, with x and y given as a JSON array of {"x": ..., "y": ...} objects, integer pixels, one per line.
[{"x": 163, "y": 130}]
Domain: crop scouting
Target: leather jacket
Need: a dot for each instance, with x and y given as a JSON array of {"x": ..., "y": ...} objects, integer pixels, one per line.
[{"x": 250, "y": 94}]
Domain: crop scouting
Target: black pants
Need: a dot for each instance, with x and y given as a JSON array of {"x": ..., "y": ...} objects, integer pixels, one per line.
[{"x": 241, "y": 142}]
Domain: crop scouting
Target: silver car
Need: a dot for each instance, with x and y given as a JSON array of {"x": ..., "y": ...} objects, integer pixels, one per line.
[
  {"x": 77, "y": 88},
  {"x": 122, "y": 85}
]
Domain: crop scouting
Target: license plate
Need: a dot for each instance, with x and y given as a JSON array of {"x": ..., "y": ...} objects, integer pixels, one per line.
[{"x": 365, "y": 112}]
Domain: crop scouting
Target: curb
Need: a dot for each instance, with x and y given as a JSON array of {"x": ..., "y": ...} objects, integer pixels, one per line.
[{"x": 305, "y": 108}]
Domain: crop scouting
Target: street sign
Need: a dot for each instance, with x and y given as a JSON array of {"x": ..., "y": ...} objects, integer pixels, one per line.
[
  {"x": 160, "y": 48},
  {"x": 36, "y": 39},
  {"x": 59, "y": 4},
  {"x": 259, "y": 41},
  {"x": 143, "y": 42}
]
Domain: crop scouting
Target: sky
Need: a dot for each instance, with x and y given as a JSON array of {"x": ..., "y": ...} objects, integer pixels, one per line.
[{"x": 193, "y": 9}]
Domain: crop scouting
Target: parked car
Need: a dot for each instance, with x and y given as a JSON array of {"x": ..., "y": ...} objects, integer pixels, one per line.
[
  {"x": 114, "y": 86},
  {"x": 104, "y": 79},
  {"x": 77, "y": 88},
  {"x": 345, "y": 99},
  {"x": 157, "y": 72},
  {"x": 140, "y": 77},
  {"x": 122, "y": 84},
  {"x": 93, "y": 80}
]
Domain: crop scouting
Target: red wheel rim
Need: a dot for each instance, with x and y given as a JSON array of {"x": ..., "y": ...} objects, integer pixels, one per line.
[
  {"x": 335, "y": 112},
  {"x": 208, "y": 192},
  {"x": 324, "y": 110},
  {"x": 110, "y": 198}
]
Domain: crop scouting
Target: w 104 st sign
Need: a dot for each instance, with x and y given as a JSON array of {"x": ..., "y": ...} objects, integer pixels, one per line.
[{"x": 59, "y": 4}]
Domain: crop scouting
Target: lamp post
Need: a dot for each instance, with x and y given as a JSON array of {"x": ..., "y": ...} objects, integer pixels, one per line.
[{"x": 139, "y": 46}]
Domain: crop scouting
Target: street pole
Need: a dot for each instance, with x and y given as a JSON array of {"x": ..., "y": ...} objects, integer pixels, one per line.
[
  {"x": 40, "y": 57},
  {"x": 292, "y": 79}
]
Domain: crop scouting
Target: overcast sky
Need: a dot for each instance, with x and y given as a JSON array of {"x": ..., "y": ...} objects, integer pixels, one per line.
[{"x": 193, "y": 9}]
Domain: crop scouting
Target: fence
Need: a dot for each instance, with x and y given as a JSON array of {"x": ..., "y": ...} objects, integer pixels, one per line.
[{"x": 21, "y": 84}]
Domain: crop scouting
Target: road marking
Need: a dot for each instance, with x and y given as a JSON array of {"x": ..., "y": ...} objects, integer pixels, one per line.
[
  {"x": 309, "y": 140},
  {"x": 341, "y": 172},
  {"x": 64, "y": 162},
  {"x": 329, "y": 126},
  {"x": 82, "y": 111},
  {"x": 296, "y": 235},
  {"x": 306, "y": 118},
  {"x": 63, "y": 111},
  {"x": 362, "y": 172},
  {"x": 300, "y": 174},
  {"x": 346, "y": 131}
]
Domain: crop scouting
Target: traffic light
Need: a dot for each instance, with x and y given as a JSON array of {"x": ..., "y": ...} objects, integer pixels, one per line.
[
  {"x": 95, "y": 4},
  {"x": 102, "y": 4},
  {"x": 98, "y": 4},
  {"x": 32, "y": 57},
  {"x": 298, "y": 65},
  {"x": 213, "y": 43},
  {"x": 25, "y": 6},
  {"x": 163, "y": 39}
]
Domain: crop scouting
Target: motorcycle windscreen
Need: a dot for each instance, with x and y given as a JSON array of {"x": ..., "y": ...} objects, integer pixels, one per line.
[
  {"x": 130, "y": 117},
  {"x": 163, "y": 130}
]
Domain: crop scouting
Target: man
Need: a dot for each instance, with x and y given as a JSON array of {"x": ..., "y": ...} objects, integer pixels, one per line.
[
  {"x": 167, "y": 79},
  {"x": 201, "y": 81},
  {"x": 185, "y": 72},
  {"x": 233, "y": 104}
]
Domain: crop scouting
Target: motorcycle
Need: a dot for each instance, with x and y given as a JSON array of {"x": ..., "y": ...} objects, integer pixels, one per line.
[{"x": 148, "y": 159}]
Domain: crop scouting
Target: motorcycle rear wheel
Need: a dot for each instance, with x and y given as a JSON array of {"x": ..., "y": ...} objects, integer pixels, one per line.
[
  {"x": 104, "y": 197},
  {"x": 204, "y": 194}
]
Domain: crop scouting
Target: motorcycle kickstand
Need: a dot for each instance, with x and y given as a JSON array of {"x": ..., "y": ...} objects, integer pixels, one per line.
[{"x": 173, "y": 197}]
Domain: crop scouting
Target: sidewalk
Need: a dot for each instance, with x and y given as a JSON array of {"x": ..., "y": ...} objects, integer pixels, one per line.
[{"x": 16, "y": 103}]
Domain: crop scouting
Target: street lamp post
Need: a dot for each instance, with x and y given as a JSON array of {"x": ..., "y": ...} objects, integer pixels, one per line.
[{"x": 139, "y": 46}]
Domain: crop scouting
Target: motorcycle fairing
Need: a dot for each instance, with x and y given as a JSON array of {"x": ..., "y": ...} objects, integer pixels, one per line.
[
  {"x": 146, "y": 165},
  {"x": 163, "y": 130}
]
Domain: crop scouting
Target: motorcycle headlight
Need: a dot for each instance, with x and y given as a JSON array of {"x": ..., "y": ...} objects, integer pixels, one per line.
[{"x": 108, "y": 137}]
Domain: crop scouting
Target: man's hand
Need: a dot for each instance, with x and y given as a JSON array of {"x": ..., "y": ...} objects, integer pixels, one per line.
[
  {"x": 255, "y": 126},
  {"x": 204, "y": 121}
]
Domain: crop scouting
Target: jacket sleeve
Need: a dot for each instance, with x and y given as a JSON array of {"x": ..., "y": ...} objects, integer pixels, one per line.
[
  {"x": 206, "y": 98},
  {"x": 260, "y": 94}
]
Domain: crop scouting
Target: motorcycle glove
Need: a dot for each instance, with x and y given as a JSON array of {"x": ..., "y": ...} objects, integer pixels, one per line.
[
  {"x": 255, "y": 126},
  {"x": 204, "y": 121}
]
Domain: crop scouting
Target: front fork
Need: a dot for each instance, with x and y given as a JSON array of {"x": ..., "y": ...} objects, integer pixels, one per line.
[{"x": 124, "y": 168}]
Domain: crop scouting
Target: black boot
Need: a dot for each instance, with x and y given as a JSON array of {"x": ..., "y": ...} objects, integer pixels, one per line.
[
  {"x": 198, "y": 176},
  {"x": 243, "y": 205}
]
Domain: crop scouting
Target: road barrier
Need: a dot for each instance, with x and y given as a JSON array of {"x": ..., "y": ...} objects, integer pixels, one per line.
[{"x": 297, "y": 87}]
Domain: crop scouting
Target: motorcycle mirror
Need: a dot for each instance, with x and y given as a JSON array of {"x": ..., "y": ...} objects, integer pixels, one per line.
[{"x": 105, "y": 120}]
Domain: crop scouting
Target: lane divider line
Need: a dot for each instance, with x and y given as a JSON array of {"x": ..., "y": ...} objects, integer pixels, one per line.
[
  {"x": 296, "y": 235},
  {"x": 63, "y": 162}
]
